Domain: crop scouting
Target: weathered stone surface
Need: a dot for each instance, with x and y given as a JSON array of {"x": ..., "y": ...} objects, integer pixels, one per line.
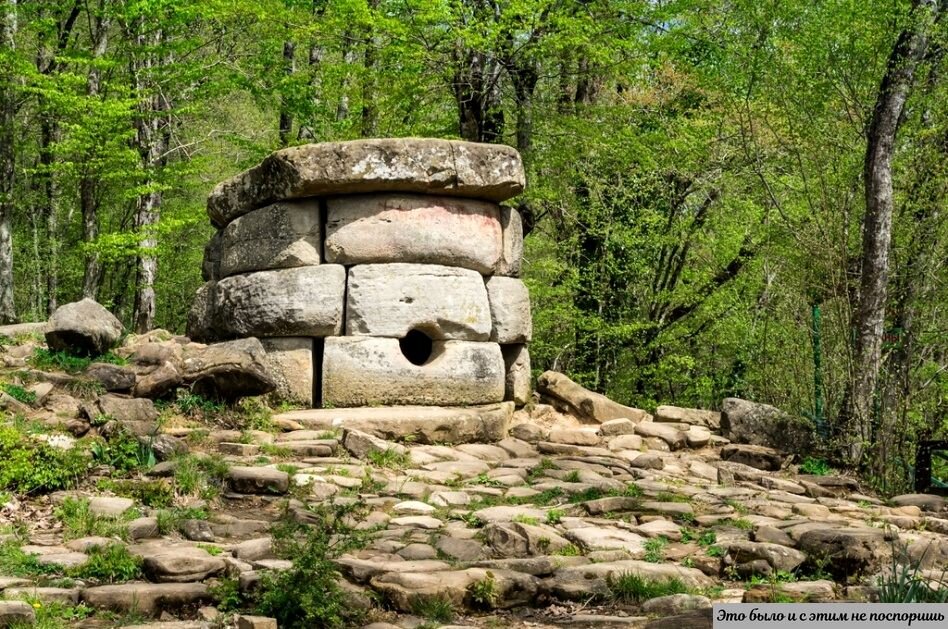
[
  {"x": 608, "y": 538},
  {"x": 16, "y": 614},
  {"x": 258, "y": 480},
  {"x": 305, "y": 301},
  {"x": 669, "y": 434},
  {"x": 509, "y": 310},
  {"x": 420, "y": 424},
  {"x": 202, "y": 323},
  {"x": 113, "y": 378},
  {"x": 290, "y": 362},
  {"x": 758, "y": 457},
  {"x": 845, "y": 551},
  {"x": 692, "y": 416},
  {"x": 145, "y": 598},
  {"x": 228, "y": 370},
  {"x": 517, "y": 387},
  {"x": 759, "y": 424},
  {"x": 364, "y": 371},
  {"x": 511, "y": 258},
  {"x": 83, "y": 327},
  {"x": 405, "y": 589},
  {"x": 414, "y": 228},
  {"x": 211, "y": 265},
  {"x": 361, "y": 444},
  {"x": 778, "y": 558},
  {"x": 586, "y": 403},
  {"x": 453, "y": 168},
  {"x": 925, "y": 502},
  {"x": 279, "y": 236},
  {"x": 442, "y": 302},
  {"x": 124, "y": 409},
  {"x": 176, "y": 563},
  {"x": 580, "y": 582}
]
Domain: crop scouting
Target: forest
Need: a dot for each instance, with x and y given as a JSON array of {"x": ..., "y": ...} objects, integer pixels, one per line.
[{"x": 725, "y": 198}]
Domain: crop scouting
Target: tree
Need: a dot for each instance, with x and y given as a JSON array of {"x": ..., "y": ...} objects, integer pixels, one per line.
[{"x": 8, "y": 27}]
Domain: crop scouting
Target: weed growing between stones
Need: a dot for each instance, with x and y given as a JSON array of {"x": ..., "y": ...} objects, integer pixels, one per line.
[
  {"x": 434, "y": 608},
  {"x": 170, "y": 519},
  {"x": 28, "y": 466},
  {"x": 308, "y": 594},
  {"x": 151, "y": 493},
  {"x": 904, "y": 582},
  {"x": 816, "y": 467},
  {"x": 483, "y": 592},
  {"x": 47, "y": 360},
  {"x": 16, "y": 563},
  {"x": 79, "y": 521},
  {"x": 109, "y": 564},
  {"x": 124, "y": 453},
  {"x": 655, "y": 549},
  {"x": 391, "y": 459},
  {"x": 629, "y": 587},
  {"x": 18, "y": 393}
]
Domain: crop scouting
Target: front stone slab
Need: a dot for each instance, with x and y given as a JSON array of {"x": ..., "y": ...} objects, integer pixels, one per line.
[
  {"x": 418, "y": 424},
  {"x": 441, "y": 301},
  {"x": 509, "y": 310},
  {"x": 517, "y": 364},
  {"x": 448, "y": 167},
  {"x": 364, "y": 371},
  {"x": 291, "y": 364},
  {"x": 414, "y": 228},
  {"x": 279, "y": 236},
  {"x": 306, "y": 301}
]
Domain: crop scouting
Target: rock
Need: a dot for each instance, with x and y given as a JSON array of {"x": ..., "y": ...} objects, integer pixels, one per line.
[
  {"x": 256, "y": 622},
  {"x": 304, "y": 301},
  {"x": 202, "y": 316},
  {"x": 125, "y": 409},
  {"x": 420, "y": 424},
  {"x": 585, "y": 403},
  {"x": 254, "y": 549},
  {"x": 616, "y": 427},
  {"x": 517, "y": 387},
  {"x": 84, "y": 328},
  {"x": 460, "y": 549},
  {"x": 211, "y": 264},
  {"x": 228, "y": 370},
  {"x": 143, "y": 528},
  {"x": 606, "y": 538},
  {"x": 165, "y": 447},
  {"x": 290, "y": 364},
  {"x": 758, "y": 457},
  {"x": 367, "y": 371},
  {"x": 691, "y": 416},
  {"x": 517, "y": 539},
  {"x": 176, "y": 563},
  {"x": 759, "y": 424},
  {"x": 110, "y": 506},
  {"x": 148, "y": 599},
  {"x": 670, "y": 435},
  {"x": 778, "y": 558},
  {"x": 445, "y": 303},
  {"x": 422, "y": 229},
  {"x": 283, "y": 235},
  {"x": 405, "y": 589},
  {"x": 511, "y": 257},
  {"x": 65, "y": 596},
  {"x": 845, "y": 552},
  {"x": 196, "y": 530},
  {"x": 453, "y": 168},
  {"x": 925, "y": 502},
  {"x": 675, "y": 604},
  {"x": 361, "y": 444},
  {"x": 256, "y": 480},
  {"x": 574, "y": 436},
  {"x": 800, "y": 592},
  {"x": 698, "y": 437},
  {"x": 695, "y": 619},
  {"x": 580, "y": 582},
  {"x": 509, "y": 310},
  {"x": 16, "y": 613},
  {"x": 112, "y": 377}
]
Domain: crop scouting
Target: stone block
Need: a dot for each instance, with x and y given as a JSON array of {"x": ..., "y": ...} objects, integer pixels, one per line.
[
  {"x": 279, "y": 236},
  {"x": 517, "y": 380},
  {"x": 511, "y": 257},
  {"x": 290, "y": 360},
  {"x": 442, "y": 301},
  {"x": 446, "y": 167},
  {"x": 509, "y": 310},
  {"x": 414, "y": 228},
  {"x": 201, "y": 326},
  {"x": 305, "y": 301},
  {"x": 364, "y": 371},
  {"x": 211, "y": 266}
]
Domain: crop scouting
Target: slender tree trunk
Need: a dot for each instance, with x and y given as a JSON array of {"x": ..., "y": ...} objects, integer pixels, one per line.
[
  {"x": 286, "y": 116},
  {"x": 348, "y": 58},
  {"x": 524, "y": 76},
  {"x": 88, "y": 185},
  {"x": 370, "y": 112},
  {"x": 869, "y": 322},
  {"x": 48, "y": 133},
  {"x": 8, "y": 27},
  {"x": 316, "y": 52}
]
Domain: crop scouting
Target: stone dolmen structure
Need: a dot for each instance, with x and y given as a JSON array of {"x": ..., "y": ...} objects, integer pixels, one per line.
[{"x": 374, "y": 272}]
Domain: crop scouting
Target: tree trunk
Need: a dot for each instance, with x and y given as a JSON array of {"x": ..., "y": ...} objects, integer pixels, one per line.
[
  {"x": 8, "y": 26},
  {"x": 306, "y": 131},
  {"x": 869, "y": 320},
  {"x": 348, "y": 58},
  {"x": 370, "y": 113},
  {"x": 477, "y": 92},
  {"x": 88, "y": 185},
  {"x": 286, "y": 116}
]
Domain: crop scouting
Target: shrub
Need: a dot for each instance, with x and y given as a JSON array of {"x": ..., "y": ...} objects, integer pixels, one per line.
[
  {"x": 632, "y": 588},
  {"x": 308, "y": 595},
  {"x": 109, "y": 564},
  {"x": 79, "y": 521},
  {"x": 123, "y": 452},
  {"x": 28, "y": 466},
  {"x": 483, "y": 592},
  {"x": 816, "y": 467}
]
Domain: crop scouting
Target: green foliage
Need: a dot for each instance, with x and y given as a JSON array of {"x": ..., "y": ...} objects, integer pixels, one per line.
[
  {"x": 226, "y": 592},
  {"x": 170, "y": 519},
  {"x": 903, "y": 581},
  {"x": 109, "y": 564},
  {"x": 655, "y": 549},
  {"x": 29, "y": 466},
  {"x": 123, "y": 452},
  {"x": 16, "y": 563},
  {"x": 308, "y": 594},
  {"x": 48, "y": 360},
  {"x": 817, "y": 467},
  {"x": 78, "y": 520},
  {"x": 18, "y": 393},
  {"x": 391, "y": 459},
  {"x": 554, "y": 516},
  {"x": 436, "y": 608},
  {"x": 55, "y": 615},
  {"x": 151, "y": 493},
  {"x": 629, "y": 587},
  {"x": 483, "y": 592}
]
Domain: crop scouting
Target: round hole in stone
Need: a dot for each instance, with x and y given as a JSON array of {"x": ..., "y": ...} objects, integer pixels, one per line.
[{"x": 416, "y": 346}]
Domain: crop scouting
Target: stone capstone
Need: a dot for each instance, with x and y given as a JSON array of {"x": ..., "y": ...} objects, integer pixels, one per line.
[
  {"x": 366, "y": 371},
  {"x": 445, "y": 167},
  {"x": 282, "y": 235},
  {"x": 392, "y": 299},
  {"x": 414, "y": 228}
]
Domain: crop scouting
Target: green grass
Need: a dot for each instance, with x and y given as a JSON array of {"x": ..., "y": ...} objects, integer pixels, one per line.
[
  {"x": 655, "y": 549},
  {"x": 18, "y": 393},
  {"x": 816, "y": 467},
  {"x": 47, "y": 360},
  {"x": 483, "y": 593},
  {"x": 632, "y": 588},
  {"x": 109, "y": 564},
  {"x": 151, "y": 493},
  {"x": 55, "y": 615},
  {"x": 78, "y": 520},
  {"x": 554, "y": 516},
  {"x": 16, "y": 563},
  {"x": 438, "y": 608},
  {"x": 391, "y": 459},
  {"x": 170, "y": 519},
  {"x": 526, "y": 519},
  {"x": 568, "y": 551},
  {"x": 28, "y": 466}
]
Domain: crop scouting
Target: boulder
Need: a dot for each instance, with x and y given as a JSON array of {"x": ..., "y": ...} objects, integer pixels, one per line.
[
  {"x": 419, "y": 424},
  {"x": 846, "y": 552},
  {"x": 126, "y": 409},
  {"x": 290, "y": 364},
  {"x": 211, "y": 265},
  {"x": 691, "y": 416},
  {"x": 16, "y": 614},
  {"x": 509, "y": 310},
  {"x": 279, "y": 236},
  {"x": 580, "y": 582},
  {"x": 148, "y": 599},
  {"x": 777, "y": 558},
  {"x": 511, "y": 257},
  {"x": 669, "y": 434},
  {"x": 429, "y": 166},
  {"x": 517, "y": 387},
  {"x": 758, "y": 457},
  {"x": 404, "y": 590},
  {"x": 304, "y": 301},
  {"x": 258, "y": 480},
  {"x": 228, "y": 370},
  {"x": 423, "y": 229},
  {"x": 763, "y": 425},
  {"x": 361, "y": 444},
  {"x": 113, "y": 378},
  {"x": 392, "y": 299},
  {"x": 202, "y": 317},
  {"x": 585, "y": 403},
  {"x": 366, "y": 371},
  {"x": 84, "y": 328}
]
